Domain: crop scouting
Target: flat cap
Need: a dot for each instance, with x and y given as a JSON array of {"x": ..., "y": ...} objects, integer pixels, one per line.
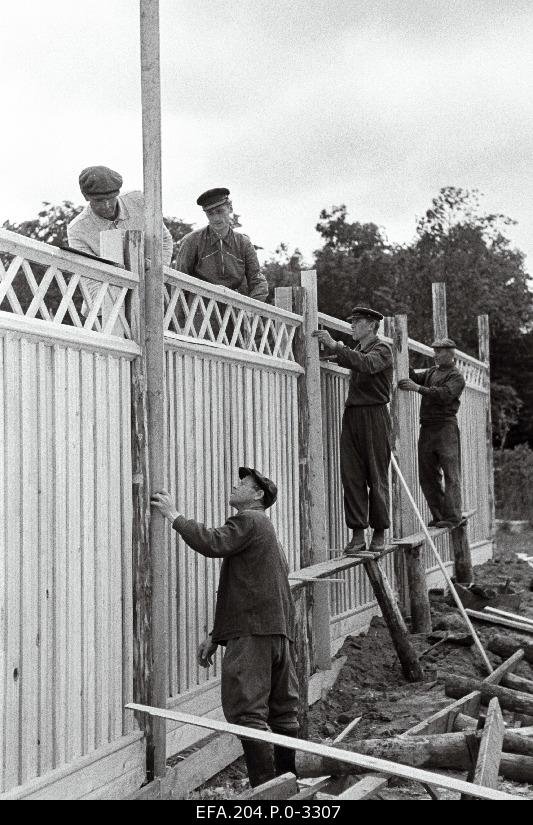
[
  {"x": 212, "y": 198},
  {"x": 365, "y": 312},
  {"x": 269, "y": 488},
  {"x": 443, "y": 343},
  {"x": 99, "y": 180}
]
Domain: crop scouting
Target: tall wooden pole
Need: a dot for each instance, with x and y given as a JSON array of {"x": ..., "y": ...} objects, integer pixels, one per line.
[
  {"x": 440, "y": 315},
  {"x": 484, "y": 355},
  {"x": 155, "y": 364}
]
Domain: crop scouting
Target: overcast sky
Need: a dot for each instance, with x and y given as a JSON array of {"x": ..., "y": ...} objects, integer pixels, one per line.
[{"x": 294, "y": 106}]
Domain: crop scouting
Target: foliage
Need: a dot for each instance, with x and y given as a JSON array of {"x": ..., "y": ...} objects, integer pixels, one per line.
[
  {"x": 505, "y": 404},
  {"x": 282, "y": 269},
  {"x": 513, "y": 482}
]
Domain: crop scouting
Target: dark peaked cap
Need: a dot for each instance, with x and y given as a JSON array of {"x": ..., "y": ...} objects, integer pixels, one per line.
[
  {"x": 269, "y": 488},
  {"x": 213, "y": 197},
  {"x": 365, "y": 312},
  {"x": 443, "y": 343},
  {"x": 99, "y": 180}
]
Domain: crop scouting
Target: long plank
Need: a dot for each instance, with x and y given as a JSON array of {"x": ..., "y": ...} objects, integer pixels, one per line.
[
  {"x": 490, "y": 749},
  {"x": 281, "y": 787},
  {"x": 325, "y": 568},
  {"x": 488, "y": 617},
  {"x": 419, "y": 538},
  {"x": 506, "y": 667},
  {"x": 442, "y": 721},
  {"x": 368, "y": 762},
  {"x": 514, "y": 616}
]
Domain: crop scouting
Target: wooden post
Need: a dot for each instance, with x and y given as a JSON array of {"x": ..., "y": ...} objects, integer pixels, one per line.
[
  {"x": 484, "y": 355},
  {"x": 141, "y": 556},
  {"x": 312, "y": 487},
  {"x": 283, "y": 299},
  {"x": 155, "y": 363},
  {"x": 411, "y": 568},
  {"x": 440, "y": 316},
  {"x": 385, "y": 597}
]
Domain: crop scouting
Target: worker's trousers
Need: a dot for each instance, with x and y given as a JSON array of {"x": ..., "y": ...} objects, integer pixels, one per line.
[
  {"x": 365, "y": 457},
  {"x": 439, "y": 469}
]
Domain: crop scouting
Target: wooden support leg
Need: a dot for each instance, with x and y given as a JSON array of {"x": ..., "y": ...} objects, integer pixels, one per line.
[
  {"x": 464, "y": 573},
  {"x": 418, "y": 591},
  {"x": 391, "y": 613},
  {"x": 302, "y": 661}
]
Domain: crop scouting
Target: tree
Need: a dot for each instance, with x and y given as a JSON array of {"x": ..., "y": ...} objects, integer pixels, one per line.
[
  {"x": 505, "y": 406},
  {"x": 282, "y": 269}
]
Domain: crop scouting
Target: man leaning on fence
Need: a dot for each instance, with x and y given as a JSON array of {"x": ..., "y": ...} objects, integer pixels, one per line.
[
  {"x": 254, "y": 619},
  {"x": 365, "y": 446},
  {"x": 439, "y": 445},
  {"x": 220, "y": 255}
]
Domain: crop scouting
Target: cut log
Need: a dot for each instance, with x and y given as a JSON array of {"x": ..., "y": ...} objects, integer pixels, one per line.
[
  {"x": 448, "y": 750},
  {"x": 516, "y": 617},
  {"x": 505, "y": 646},
  {"x": 517, "y": 683},
  {"x": 513, "y": 742},
  {"x": 418, "y": 589},
  {"x": 391, "y": 613},
  {"x": 461, "y": 555},
  {"x": 517, "y": 767},
  {"x": 490, "y": 748},
  {"x": 458, "y": 686}
]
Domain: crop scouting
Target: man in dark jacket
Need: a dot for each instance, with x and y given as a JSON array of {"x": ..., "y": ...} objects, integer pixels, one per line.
[
  {"x": 220, "y": 255},
  {"x": 439, "y": 446},
  {"x": 366, "y": 428},
  {"x": 254, "y": 619}
]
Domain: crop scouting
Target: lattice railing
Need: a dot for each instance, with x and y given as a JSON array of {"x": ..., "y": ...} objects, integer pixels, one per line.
[
  {"x": 42, "y": 282},
  {"x": 221, "y": 317}
]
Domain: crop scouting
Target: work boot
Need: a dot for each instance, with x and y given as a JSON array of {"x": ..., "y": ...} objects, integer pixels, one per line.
[
  {"x": 284, "y": 758},
  {"x": 259, "y": 761},
  {"x": 378, "y": 540},
  {"x": 356, "y": 543}
]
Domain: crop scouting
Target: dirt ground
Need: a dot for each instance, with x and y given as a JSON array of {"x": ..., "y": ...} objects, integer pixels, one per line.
[{"x": 372, "y": 686}]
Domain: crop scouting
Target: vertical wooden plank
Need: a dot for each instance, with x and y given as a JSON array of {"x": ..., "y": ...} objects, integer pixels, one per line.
[
  {"x": 3, "y": 570},
  {"x": 151, "y": 109},
  {"x": 89, "y": 517},
  {"x": 115, "y": 550},
  {"x": 13, "y": 726},
  {"x": 313, "y": 514},
  {"x": 172, "y": 567},
  {"x": 60, "y": 720},
  {"x": 102, "y": 605},
  {"x": 128, "y": 720},
  {"x": 73, "y": 674},
  {"x": 440, "y": 317},
  {"x": 181, "y": 552},
  {"x": 484, "y": 355},
  {"x": 45, "y": 569},
  {"x": 29, "y": 676}
]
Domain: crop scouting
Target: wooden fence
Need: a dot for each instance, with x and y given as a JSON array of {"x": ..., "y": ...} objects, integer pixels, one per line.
[{"x": 242, "y": 386}]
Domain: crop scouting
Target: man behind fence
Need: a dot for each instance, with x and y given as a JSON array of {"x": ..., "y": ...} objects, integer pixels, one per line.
[
  {"x": 219, "y": 254},
  {"x": 254, "y": 619},
  {"x": 439, "y": 446},
  {"x": 365, "y": 446}
]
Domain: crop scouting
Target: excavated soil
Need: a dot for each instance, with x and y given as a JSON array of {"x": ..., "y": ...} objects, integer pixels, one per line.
[{"x": 371, "y": 684}]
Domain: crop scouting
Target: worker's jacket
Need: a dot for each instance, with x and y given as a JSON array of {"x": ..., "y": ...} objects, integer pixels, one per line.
[
  {"x": 371, "y": 368},
  {"x": 445, "y": 387},
  {"x": 254, "y": 597},
  {"x": 230, "y": 261}
]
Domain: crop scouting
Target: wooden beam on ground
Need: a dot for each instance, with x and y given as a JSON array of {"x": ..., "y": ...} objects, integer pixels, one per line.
[
  {"x": 505, "y": 646},
  {"x": 281, "y": 787},
  {"x": 155, "y": 364},
  {"x": 481, "y": 616},
  {"x": 200, "y": 766},
  {"x": 344, "y": 757},
  {"x": 391, "y": 613},
  {"x": 443, "y": 720},
  {"x": 504, "y": 669},
  {"x": 517, "y": 683},
  {"x": 313, "y": 542},
  {"x": 490, "y": 748},
  {"x": 513, "y": 616},
  {"x": 365, "y": 788},
  {"x": 457, "y": 686}
]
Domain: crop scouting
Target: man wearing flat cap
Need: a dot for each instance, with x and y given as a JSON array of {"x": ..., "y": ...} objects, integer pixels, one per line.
[
  {"x": 254, "y": 619},
  {"x": 108, "y": 209},
  {"x": 366, "y": 428},
  {"x": 220, "y": 255},
  {"x": 439, "y": 446}
]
